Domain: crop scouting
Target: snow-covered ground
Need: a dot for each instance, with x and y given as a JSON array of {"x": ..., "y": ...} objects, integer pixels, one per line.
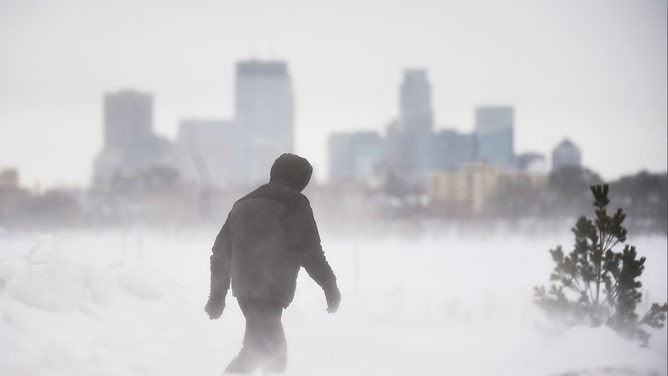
[{"x": 131, "y": 303}]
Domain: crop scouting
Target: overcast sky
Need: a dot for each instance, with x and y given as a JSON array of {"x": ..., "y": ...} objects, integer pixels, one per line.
[{"x": 590, "y": 70}]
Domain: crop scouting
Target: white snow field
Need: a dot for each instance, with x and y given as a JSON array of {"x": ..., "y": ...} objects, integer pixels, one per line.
[{"x": 131, "y": 303}]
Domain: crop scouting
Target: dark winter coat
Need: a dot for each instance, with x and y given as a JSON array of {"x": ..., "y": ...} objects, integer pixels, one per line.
[{"x": 268, "y": 235}]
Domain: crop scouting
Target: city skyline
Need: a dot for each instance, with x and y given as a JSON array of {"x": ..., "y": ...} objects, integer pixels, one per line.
[{"x": 585, "y": 71}]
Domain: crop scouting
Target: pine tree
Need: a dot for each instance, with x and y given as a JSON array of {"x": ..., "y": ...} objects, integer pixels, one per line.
[{"x": 595, "y": 285}]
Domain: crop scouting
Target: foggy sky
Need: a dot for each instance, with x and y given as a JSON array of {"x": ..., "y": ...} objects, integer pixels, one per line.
[{"x": 571, "y": 68}]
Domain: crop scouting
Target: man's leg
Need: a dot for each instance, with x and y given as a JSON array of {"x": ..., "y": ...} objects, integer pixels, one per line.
[
  {"x": 249, "y": 356},
  {"x": 275, "y": 358},
  {"x": 264, "y": 340}
]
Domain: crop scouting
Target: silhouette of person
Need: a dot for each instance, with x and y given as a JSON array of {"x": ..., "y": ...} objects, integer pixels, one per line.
[{"x": 268, "y": 236}]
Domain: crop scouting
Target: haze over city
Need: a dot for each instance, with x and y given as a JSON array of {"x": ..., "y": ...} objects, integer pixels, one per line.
[
  {"x": 484, "y": 189},
  {"x": 591, "y": 71}
]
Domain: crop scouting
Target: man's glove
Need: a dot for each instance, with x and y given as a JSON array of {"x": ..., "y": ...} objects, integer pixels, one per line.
[
  {"x": 215, "y": 306},
  {"x": 333, "y": 297}
]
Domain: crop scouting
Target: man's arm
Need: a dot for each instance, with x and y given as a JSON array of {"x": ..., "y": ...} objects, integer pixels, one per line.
[
  {"x": 305, "y": 239},
  {"x": 220, "y": 272}
]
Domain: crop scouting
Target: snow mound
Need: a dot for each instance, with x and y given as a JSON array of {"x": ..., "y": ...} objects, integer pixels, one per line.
[{"x": 50, "y": 280}]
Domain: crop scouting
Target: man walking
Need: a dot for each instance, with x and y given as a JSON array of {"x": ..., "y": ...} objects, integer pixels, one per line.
[{"x": 268, "y": 235}]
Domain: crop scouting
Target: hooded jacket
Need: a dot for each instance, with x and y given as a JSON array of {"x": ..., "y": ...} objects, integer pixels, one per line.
[{"x": 268, "y": 235}]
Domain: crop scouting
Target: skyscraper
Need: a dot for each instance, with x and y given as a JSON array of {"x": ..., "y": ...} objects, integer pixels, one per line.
[
  {"x": 415, "y": 111},
  {"x": 264, "y": 114},
  {"x": 128, "y": 117},
  {"x": 494, "y": 130},
  {"x": 130, "y": 146},
  {"x": 410, "y": 138}
]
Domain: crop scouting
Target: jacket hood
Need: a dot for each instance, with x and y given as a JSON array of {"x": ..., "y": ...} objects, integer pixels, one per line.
[{"x": 292, "y": 171}]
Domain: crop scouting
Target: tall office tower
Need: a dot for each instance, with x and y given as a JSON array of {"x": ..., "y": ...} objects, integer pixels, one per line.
[
  {"x": 494, "y": 130},
  {"x": 410, "y": 139},
  {"x": 354, "y": 157},
  {"x": 128, "y": 117},
  {"x": 130, "y": 146},
  {"x": 415, "y": 112},
  {"x": 265, "y": 116},
  {"x": 565, "y": 154}
]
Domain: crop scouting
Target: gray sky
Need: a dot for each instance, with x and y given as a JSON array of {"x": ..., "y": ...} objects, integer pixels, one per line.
[{"x": 590, "y": 70}]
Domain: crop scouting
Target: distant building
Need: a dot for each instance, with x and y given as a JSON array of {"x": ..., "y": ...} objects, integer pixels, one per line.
[
  {"x": 536, "y": 180},
  {"x": 409, "y": 138},
  {"x": 395, "y": 145},
  {"x": 472, "y": 188},
  {"x": 128, "y": 117},
  {"x": 415, "y": 111},
  {"x": 566, "y": 154},
  {"x": 467, "y": 190},
  {"x": 494, "y": 130},
  {"x": 9, "y": 178},
  {"x": 130, "y": 146},
  {"x": 451, "y": 149},
  {"x": 207, "y": 152},
  {"x": 264, "y": 115},
  {"x": 354, "y": 157}
]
